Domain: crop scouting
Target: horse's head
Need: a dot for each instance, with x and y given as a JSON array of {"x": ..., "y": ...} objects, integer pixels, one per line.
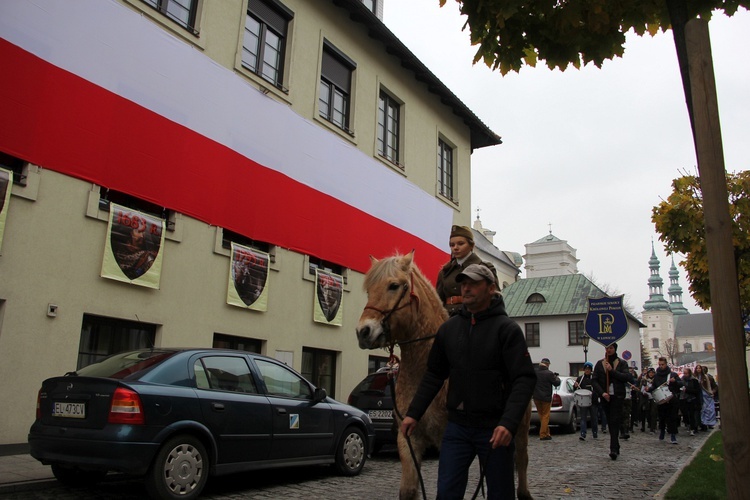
[{"x": 392, "y": 301}]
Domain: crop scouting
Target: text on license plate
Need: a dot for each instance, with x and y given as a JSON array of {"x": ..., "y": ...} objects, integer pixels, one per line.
[
  {"x": 69, "y": 410},
  {"x": 381, "y": 414}
]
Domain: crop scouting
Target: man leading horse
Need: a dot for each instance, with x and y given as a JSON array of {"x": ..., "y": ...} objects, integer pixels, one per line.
[{"x": 492, "y": 380}]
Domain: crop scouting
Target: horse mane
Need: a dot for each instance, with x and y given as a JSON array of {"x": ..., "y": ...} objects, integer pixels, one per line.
[{"x": 397, "y": 265}]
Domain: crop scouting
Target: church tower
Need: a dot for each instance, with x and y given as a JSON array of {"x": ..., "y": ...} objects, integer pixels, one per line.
[
  {"x": 675, "y": 292},
  {"x": 658, "y": 335}
]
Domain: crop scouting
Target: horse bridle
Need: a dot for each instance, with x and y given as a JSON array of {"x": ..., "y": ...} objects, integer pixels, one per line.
[{"x": 396, "y": 307}]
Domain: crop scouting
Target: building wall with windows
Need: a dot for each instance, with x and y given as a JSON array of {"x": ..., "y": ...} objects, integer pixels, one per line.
[{"x": 304, "y": 201}]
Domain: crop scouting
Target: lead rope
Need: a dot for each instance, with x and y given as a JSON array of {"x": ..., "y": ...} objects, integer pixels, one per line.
[{"x": 401, "y": 418}]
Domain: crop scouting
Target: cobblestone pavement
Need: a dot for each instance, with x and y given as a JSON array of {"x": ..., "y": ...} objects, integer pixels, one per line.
[{"x": 561, "y": 468}]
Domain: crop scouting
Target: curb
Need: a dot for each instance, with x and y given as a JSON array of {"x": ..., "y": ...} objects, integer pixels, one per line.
[
  {"x": 31, "y": 485},
  {"x": 665, "y": 489}
]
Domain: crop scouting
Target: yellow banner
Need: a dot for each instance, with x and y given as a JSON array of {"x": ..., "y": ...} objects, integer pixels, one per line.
[
  {"x": 6, "y": 185},
  {"x": 248, "y": 278},
  {"x": 134, "y": 247},
  {"x": 329, "y": 298}
]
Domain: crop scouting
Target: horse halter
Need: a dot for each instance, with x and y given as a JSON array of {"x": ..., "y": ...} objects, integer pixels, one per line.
[{"x": 396, "y": 307}]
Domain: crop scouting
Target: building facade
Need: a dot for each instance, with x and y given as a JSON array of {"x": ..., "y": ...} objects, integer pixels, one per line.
[{"x": 288, "y": 138}]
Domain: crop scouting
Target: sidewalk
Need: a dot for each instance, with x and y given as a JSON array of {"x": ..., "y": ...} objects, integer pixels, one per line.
[{"x": 22, "y": 472}]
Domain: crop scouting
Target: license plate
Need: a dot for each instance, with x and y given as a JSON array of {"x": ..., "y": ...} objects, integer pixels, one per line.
[
  {"x": 69, "y": 410},
  {"x": 381, "y": 414}
]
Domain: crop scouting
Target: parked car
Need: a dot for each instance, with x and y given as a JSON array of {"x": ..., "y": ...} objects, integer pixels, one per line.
[
  {"x": 373, "y": 395},
  {"x": 178, "y": 416},
  {"x": 563, "y": 412}
]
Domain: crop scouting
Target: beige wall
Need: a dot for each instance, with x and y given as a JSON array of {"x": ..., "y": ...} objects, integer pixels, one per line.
[{"x": 54, "y": 237}]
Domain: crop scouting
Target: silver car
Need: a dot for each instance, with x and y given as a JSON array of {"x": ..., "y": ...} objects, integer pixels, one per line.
[{"x": 563, "y": 412}]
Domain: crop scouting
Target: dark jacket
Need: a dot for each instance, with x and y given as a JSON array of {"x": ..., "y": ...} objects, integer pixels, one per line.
[
  {"x": 447, "y": 286},
  {"x": 662, "y": 377},
  {"x": 617, "y": 377},
  {"x": 491, "y": 375},
  {"x": 587, "y": 382},
  {"x": 545, "y": 379}
]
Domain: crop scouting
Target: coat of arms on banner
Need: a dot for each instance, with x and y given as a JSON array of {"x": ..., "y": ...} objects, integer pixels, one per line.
[
  {"x": 329, "y": 294},
  {"x": 6, "y": 185},
  {"x": 606, "y": 322},
  {"x": 133, "y": 249},
  {"x": 248, "y": 277}
]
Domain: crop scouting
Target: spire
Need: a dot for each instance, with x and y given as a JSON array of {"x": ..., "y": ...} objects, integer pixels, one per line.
[
  {"x": 655, "y": 300},
  {"x": 675, "y": 292}
]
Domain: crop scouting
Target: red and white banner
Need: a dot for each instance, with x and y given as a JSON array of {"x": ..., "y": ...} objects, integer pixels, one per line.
[{"x": 101, "y": 93}]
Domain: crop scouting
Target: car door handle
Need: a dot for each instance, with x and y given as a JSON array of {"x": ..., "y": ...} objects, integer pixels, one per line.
[
  {"x": 281, "y": 411},
  {"x": 217, "y": 406}
]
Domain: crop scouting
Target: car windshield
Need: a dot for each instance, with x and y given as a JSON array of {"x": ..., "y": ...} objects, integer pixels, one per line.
[{"x": 121, "y": 365}]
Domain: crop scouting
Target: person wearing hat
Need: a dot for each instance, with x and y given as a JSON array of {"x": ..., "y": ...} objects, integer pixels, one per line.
[
  {"x": 462, "y": 255},
  {"x": 592, "y": 411},
  {"x": 492, "y": 379},
  {"x": 545, "y": 380},
  {"x": 611, "y": 375}
]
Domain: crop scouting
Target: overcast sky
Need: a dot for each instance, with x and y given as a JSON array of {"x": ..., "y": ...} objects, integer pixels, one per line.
[{"x": 589, "y": 151}]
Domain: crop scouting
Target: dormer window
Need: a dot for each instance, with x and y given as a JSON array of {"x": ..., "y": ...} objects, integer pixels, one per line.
[{"x": 536, "y": 298}]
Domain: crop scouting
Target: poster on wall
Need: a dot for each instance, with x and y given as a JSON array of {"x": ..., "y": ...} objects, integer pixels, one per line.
[
  {"x": 6, "y": 185},
  {"x": 329, "y": 295},
  {"x": 248, "y": 278},
  {"x": 134, "y": 247}
]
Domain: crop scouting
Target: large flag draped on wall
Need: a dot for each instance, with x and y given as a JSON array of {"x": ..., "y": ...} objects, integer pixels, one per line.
[
  {"x": 102, "y": 93},
  {"x": 6, "y": 185},
  {"x": 134, "y": 249},
  {"x": 248, "y": 278},
  {"x": 329, "y": 298}
]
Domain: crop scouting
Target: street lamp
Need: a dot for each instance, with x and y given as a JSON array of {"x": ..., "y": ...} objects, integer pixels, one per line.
[{"x": 585, "y": 342}]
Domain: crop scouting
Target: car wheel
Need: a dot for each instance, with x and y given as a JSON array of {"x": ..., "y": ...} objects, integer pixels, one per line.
[
  {"x": 571, "y": 427},
  {"x": 351, "y": 453},
  {"x": 180, "y": 469},
  {"x": 70, "y": 476}
]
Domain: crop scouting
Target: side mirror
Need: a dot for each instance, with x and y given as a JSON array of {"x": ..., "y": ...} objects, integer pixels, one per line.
[{"x": 319, "y": 395}]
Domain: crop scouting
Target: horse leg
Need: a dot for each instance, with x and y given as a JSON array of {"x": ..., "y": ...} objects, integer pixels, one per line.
[
  {"x": 409, "y": 488},
  {"x": 522, "y": 456}
]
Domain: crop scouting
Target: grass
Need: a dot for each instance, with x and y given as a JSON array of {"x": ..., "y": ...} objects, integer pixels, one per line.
[{"x": 704, "y": 477}]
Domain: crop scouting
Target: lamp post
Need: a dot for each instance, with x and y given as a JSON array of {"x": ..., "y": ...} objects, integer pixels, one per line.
[{"x": 585, "y": 342}]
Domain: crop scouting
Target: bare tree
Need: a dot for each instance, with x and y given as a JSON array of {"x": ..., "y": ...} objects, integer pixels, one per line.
[{"x": 671, "y": 349}]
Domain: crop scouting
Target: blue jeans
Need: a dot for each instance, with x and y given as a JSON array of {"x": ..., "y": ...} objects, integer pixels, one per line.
[
  {"x": 459, "y": 447},
  {"x": 589, "y": 412}
]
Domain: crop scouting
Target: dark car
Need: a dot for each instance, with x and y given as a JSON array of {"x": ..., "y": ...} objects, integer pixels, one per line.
[
  {"x": 177, "y": 416},
  {"x": 373, "y": 395}
]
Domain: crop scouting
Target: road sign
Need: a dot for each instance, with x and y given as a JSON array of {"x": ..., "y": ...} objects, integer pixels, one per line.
[{"x": 606, "y": 322}]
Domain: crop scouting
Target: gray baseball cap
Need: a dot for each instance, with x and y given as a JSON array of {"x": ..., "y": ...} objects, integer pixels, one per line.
[{"x": 476, "y": 272}]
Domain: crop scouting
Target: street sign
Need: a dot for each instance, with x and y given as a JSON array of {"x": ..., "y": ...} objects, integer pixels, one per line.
[{"x": 606, "y": 322}]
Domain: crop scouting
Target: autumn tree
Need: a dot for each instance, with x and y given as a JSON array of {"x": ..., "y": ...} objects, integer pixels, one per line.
[
  {"x": 679, "y": 222},
  {"x": 511, "y": 33}
]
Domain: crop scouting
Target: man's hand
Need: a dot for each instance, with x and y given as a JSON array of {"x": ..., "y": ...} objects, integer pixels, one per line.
[
  {"x": 500, "y": 437},
  {"x": 408, "y": 426},
  {"x": 606, "y": 396}
]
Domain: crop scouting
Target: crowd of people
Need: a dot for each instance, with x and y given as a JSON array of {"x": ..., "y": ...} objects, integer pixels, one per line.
[{"x": 658, "y": 399}]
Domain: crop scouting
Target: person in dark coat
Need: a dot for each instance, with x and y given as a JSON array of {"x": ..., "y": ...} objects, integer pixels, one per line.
[
  {"x": 492, "y": 379},
  {"x": 669, "y": 411},
  {"x": 462, "y": 255},
  {"x": 545, "y": 380},
  {"x": 611, "y": 376}
]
